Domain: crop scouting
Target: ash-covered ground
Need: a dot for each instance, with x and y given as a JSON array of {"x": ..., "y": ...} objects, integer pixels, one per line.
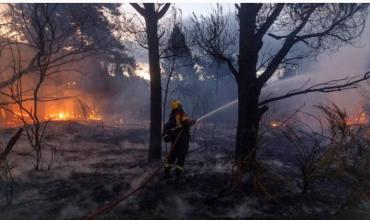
[{"x": 87, "y": 165}]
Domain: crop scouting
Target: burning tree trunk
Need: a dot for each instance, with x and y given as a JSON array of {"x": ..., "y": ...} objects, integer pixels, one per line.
[{"x": 152, "y": 16}]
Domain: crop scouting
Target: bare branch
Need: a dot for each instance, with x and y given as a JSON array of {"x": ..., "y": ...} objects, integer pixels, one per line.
[
  {"x": 139, "y": 9},
  {"x": 288, "y": 44},
  {"x": 10, "y": 145},
  {"x": 214, "y": 36},
  {"x": 326, "y": 87},
  {"x": 269, "y": 21},
  {"x": 163, "y": 10}
]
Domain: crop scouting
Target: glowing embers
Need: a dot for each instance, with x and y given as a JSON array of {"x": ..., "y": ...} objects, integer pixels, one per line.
[
  {"x": 94, "y": 116},
  {"x": 276, "y": 123},
  {"x": 67, "y": 116},
  {"x": 61, "y": 116},
  {"x": 70, "y": 109},
  {"x": 60, "y": 110},
  {"x": 361, "y": 118}
]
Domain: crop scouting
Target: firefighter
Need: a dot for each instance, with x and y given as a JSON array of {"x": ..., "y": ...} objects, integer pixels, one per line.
[{"x": 177, "y": 131}]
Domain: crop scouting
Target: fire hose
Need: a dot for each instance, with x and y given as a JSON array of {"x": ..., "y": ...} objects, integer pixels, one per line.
[{"x": 111, "y": 205}]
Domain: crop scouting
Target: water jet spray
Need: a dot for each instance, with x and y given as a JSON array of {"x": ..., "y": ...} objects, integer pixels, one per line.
[{"x": 217, "y": 110}]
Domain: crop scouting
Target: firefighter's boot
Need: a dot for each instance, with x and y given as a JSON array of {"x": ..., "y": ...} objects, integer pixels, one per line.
[
  {"x": 178, "y": 172},
  {"x": 167, "y": 171}
]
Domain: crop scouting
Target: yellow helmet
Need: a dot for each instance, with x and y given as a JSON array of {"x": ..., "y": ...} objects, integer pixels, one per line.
[{"x": 175, "y": 104}]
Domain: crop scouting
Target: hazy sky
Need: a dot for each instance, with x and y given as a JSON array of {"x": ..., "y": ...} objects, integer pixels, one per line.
[
  {"x": 188, "y": 8},
  {"x": 201, "y": 8},
  {"x": 348, "y": 60}
]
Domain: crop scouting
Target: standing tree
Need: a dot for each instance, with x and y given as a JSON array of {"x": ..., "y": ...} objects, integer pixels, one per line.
[
  {"x": 178, "y": 64},
  {"x": 152, "y": 14},
  {"x": 82, "y": 30},
  {"x": 47, "y": 37},
  {"x": 319, "y": 27}
]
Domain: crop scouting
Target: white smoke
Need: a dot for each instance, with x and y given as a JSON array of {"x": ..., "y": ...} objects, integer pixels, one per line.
[{"x": 347, "y": 62}]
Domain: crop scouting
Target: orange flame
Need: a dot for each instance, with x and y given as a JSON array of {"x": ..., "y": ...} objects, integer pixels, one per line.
[
  {"x": 62, "y": 110},
  {"x": 360, "y": 119}
]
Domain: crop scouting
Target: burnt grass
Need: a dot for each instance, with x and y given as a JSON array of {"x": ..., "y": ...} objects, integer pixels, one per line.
[{"x": 95, "y": 164}]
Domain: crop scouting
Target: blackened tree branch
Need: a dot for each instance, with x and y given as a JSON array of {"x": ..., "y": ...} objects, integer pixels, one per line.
[
  {"x": 138, "y": 8},
  {"x": 269, "y": 21},
  {"x": 326, "y": 87},
  {"x": 288, "y": 44},
  {"x": 10, "y": 145},
  {"x": 161, "y": 12}
]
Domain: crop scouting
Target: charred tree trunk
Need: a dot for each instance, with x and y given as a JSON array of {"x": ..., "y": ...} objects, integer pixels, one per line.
[
  {"x": 256, "y": 21},
  {"x": 155, "y": 84},
  {"x": 249, "y": 115},
  {"x": 249, "y": 89},
  {"x": 155, "y": 90},
  {"x": 152, "y": 16}
]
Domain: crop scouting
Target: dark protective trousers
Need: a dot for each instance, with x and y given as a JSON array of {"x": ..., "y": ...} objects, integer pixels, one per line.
[{"x": 180, "y": 150}]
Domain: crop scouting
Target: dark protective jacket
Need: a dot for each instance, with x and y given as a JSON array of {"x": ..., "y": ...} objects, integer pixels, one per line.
[
  {"x": 178, "y": 121},
  {"x": 177, "y": 131}
]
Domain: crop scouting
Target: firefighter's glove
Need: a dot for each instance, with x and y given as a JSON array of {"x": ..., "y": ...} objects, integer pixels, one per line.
[
  {"x": 167, "y": 138},
  {"x": 192, "y": 122}
]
